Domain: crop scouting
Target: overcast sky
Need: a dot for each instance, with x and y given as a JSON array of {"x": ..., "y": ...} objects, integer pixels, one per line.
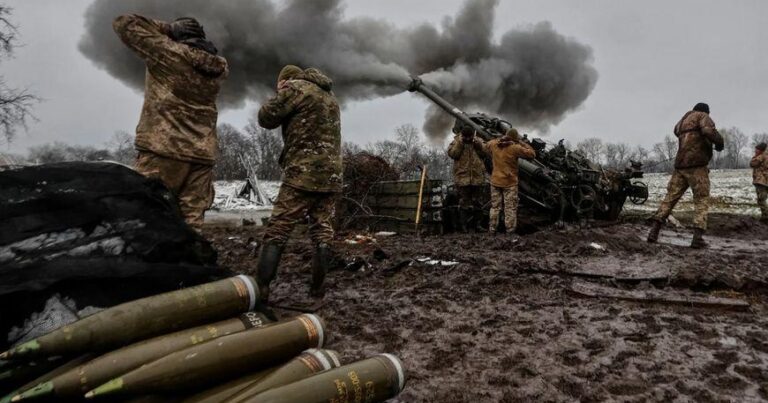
[{"x": 655, "y": 58}]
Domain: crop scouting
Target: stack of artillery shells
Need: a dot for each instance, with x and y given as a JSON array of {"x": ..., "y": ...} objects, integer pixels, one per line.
[{"x": 197, "y": 345}]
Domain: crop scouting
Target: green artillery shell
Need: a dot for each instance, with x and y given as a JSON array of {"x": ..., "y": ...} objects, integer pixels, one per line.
[
  {"x": 64, "y": 368},
  {"x": 308, "y": 363},
  {"x": 219, "y": 359},
  {"x": 373, "y": 380},
  {"x": 94, "y": 373},
  {"x": 12, "y": 376},
  {"x": 221, "y": 392},
  {"x": 146, "y": 317}
]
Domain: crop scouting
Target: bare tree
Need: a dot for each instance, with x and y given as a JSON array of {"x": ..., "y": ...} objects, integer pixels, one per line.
[
  {"x": 15, "y": 104},
  {"x": 266, "y": 148},
  {"x": 758, "y": 138},
  {"x": 735, "y": 143},
  {"x": 121, "y": 147},
  {"x": 592, "y": 148}
]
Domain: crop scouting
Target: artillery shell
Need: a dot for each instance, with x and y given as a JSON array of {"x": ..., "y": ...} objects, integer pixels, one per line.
[
  {"x": 223, "y": 358},
  {"x": 307, "y": 364},
  {"x": 373, "y": 380},
  {"x": 12, "y": 376},
  {"x": 146, "y": 317},
  {"x": 221, "y": 392},
  {"x": 64, "y": 368},
  {"x": 94, "y": 373}
]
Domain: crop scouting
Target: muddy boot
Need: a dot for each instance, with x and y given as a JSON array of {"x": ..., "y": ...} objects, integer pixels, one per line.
[
  {"x": 321, "y": 262},
  {"x": 464, "y": 216},
  {"x": 653, "y": 236},
  {"x": 698, "y": 239},
  {"x": 266, "y": 268}
]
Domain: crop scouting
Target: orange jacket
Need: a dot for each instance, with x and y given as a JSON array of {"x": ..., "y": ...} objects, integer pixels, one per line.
[{"x": 504, "y": 156}]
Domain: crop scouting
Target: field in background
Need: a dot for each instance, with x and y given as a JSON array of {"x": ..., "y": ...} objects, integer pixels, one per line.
[{"x": 731, "y": 190}]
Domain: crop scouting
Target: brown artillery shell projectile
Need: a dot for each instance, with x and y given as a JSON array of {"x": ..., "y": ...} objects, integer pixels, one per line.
[
  {"x": 373, "y": 380},
  {"x": 15, "y": 375},
  {"x": 146, "y": 317},
  {"x": 221, "y": 392},
  {"x": 307, "y": 364},
  {"x": 220, "y": 359},
  {"x": 80, "y": 380},
  {"x": 60, "y": 370}
]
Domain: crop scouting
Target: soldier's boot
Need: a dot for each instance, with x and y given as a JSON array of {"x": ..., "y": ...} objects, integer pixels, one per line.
[
  {"x": 698, "y": 239},
  {"x": 653, "y": 236},
  {"x": 463, "y": 219},
  {"x": 266, "y": 268},
  {"x": 321, "y": 263}
]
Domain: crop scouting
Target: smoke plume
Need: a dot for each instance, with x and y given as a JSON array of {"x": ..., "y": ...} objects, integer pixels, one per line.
[{"x": 532, "y": 77}]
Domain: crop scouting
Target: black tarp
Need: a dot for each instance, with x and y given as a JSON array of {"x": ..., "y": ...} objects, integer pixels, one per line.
[{"x": 98, "y": 233}]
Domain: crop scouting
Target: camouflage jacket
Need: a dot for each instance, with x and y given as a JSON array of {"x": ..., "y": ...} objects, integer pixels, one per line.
[
  {"x": 759, "y": 166},
  {"x": 308, "y": 112},
  {"x": 468, "y": 165},
  {"x": 178, "y": 119},
  {"x": 505, "y": 161},
  {"x": 696, "y": 134}
]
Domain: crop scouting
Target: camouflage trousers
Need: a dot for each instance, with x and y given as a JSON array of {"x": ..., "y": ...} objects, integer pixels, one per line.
[
  {"x": 762, "y": 199},
  {"x": 470, "y": 197},
  {"x": 698, "y": 180},
  {"x": 294, "y": 206},
  {"x": 508, "y": 198},
  {"x": 191, "y": 183}
]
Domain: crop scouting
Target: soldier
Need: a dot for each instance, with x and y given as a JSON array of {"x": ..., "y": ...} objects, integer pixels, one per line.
[
  {"x": 696, "y": 134},
  {"x": 308, "y": 112},
  {"x": 505, "y": 152},
  {"x": 176, "y": 135},
  {"x": 468, "y": 175},
  {"x": 759, "y": 166}
]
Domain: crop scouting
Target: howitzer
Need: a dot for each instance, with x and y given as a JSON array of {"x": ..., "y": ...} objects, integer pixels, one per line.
[{"x": 562, "y": 184}]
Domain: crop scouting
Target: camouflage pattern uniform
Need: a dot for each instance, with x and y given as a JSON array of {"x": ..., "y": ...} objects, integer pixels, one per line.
[
  {"x": 504, "y": 180},
  {"x": 759, "y": 166},
  {"x": 696, "y": 135},
  {"x": 468, "y": 175},
  {"x": 176, "y": 135},
  {"x": 308, "y": 112}
]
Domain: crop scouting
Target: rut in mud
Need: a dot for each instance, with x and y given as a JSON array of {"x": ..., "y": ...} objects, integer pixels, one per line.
[{"x": 502, "y": 324}]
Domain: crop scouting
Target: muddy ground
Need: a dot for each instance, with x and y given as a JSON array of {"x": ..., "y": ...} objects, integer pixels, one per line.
[{"x": 502, "y": 325}]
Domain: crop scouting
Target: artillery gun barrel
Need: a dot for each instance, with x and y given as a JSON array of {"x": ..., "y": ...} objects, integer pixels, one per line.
[{"x": 417, "y": 85}]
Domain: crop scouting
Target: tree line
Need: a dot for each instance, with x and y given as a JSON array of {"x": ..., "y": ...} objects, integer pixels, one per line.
[{"x": 256, "y": 147}]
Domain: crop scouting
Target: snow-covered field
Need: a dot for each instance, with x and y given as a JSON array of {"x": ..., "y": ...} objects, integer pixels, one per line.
[
  {"x": 227, "y": 199},
  {"x": 731, "y": 190}
]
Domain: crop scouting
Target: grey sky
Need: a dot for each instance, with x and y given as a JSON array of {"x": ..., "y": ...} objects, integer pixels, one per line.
[{"x": 655, "y": 59}]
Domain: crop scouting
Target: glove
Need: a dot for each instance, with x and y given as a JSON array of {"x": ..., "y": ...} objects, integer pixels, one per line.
[
  {"x": 719, "y": 147},
  {"x": 186, "y": 28}
]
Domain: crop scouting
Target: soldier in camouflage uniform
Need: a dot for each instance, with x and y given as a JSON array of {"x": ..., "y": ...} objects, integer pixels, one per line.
[
  {"x": 308, "y": 112},
  {"x": 759, "y": 166},
  {"x": 466, "y": 151},
  {"x": 176, "y": 135},
  {"x": 696, "y": 134},
  {"x": 505, "y": 152}
]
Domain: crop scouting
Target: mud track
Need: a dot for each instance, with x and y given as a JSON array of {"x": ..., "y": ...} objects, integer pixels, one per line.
[{"x": 503, "y": 326}]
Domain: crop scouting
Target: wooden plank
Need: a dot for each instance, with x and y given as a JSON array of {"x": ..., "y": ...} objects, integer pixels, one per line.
[{"x": 593, "y": 290}]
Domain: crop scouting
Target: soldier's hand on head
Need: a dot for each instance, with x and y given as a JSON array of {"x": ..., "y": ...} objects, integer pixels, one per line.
[
  {"x": 719, "y": 147},
  {"x": 185, "y": 28}
]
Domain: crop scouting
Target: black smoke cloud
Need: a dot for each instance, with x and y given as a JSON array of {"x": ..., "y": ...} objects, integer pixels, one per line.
[{"x": 532, "y": 77}]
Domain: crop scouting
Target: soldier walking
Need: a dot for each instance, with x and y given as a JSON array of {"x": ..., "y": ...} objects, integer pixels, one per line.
[
  {"x": 759, "y": 166},
  {"x": 176, "y": 135},
  {"x": 308, "y": 112},
  {"x": 505, "y": 151},
  {"x": 466, "y": 151},
  {"x": 696, "y": 134}
]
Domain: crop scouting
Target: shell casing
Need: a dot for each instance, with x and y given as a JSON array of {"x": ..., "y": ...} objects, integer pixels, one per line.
[
  {"x": 76, "y": 382},
  {"x": 220, "y": 359},
  {"x": 308, "y": 363},
  {"x": 146, "y": 317},
  {"x": 373, "y": 380}
]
